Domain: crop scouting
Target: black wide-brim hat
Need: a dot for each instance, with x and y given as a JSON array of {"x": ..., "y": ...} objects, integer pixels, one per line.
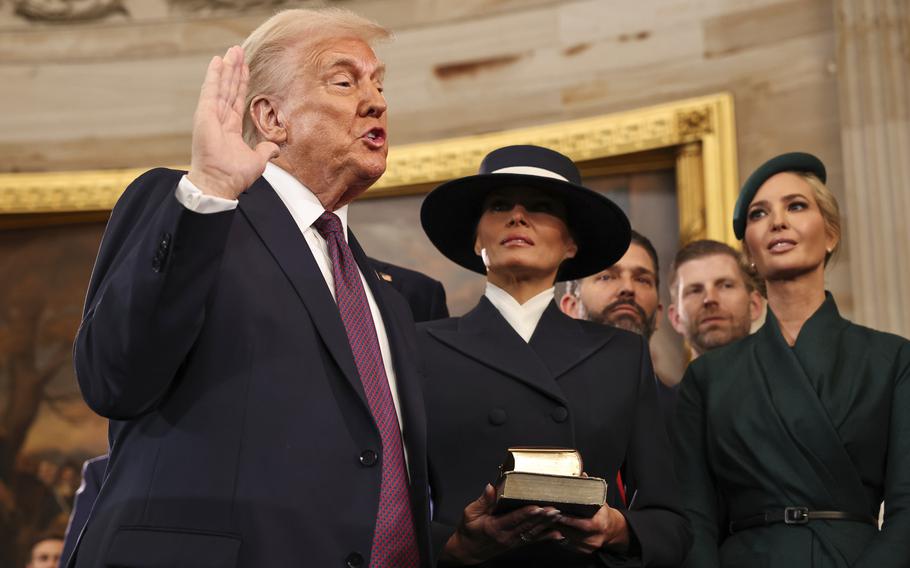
[
  {"x": 798, "y": 162},
  {"x": 450, "y": 212}
]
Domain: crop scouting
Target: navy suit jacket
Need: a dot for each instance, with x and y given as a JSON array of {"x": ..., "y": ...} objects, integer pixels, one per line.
[
  {"x": 425, "y": 296},
  {"x": 92, "y": 478},
  {"x": 240, "y": 433}
]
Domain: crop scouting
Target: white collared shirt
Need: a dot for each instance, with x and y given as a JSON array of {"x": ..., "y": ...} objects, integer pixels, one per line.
[
  {"x": 305, "y": 208},
  {"x": 522, "y": 317}
]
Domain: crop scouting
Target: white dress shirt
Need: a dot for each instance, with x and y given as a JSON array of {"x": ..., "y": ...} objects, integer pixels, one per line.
[
  {"x": 522, "y": 317},
  {"x": 305, "y": 208}
]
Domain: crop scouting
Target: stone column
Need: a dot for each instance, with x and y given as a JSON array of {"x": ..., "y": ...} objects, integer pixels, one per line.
[{"x": 873, "y": 63}]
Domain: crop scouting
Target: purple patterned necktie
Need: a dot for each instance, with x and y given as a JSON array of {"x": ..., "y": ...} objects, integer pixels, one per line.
[{"x": 394, "y": 543}]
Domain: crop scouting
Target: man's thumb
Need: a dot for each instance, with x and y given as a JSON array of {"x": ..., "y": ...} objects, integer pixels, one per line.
[{"x": 267, "y": 150}]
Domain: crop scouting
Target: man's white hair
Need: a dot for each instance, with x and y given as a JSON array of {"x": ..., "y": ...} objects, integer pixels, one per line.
[{"x": 269, "y": 49}]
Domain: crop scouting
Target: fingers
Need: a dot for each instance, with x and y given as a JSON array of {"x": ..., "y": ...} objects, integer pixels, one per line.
[
  {"x": 228, "y": 76},
  {"x": 239, "y": 100},
  {"x": 237, "y": 78},
  {"x": 489, "y": 496},
  {"x": 208, "y": 95},
  {"x": 525, "y": 517}
]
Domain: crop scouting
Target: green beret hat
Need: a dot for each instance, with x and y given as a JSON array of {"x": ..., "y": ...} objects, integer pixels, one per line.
[{"x": 791, "y": 162}]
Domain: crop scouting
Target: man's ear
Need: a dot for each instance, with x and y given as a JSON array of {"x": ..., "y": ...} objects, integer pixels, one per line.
[
  {"x": 657, "y": 314},
  {"x": 673, "y": 316},
  {"x": 268, "y": 120},
  {"x": 569, "y": 305},
  {"x": 755, "y": 305}
]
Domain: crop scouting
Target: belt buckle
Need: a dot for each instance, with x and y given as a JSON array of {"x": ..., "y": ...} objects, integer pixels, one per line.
[{"x": 796, "y": 515}]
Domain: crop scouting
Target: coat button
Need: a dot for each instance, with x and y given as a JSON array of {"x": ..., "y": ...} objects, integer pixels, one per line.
[
  {"x": 368, "y": 458},
  {"x": 353, "y": 560},
  {"x": 560, "y": 413},
  {"x": 497, "y": 417}
]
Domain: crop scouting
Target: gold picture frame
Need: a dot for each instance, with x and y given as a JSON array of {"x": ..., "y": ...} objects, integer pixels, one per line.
[{"x": 694, "y": 136}]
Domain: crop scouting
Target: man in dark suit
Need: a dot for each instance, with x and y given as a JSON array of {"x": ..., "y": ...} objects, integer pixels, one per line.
[
  {"x": 425, "y": 295},
  {"x": 92, "y": 478},
  {"x": 264, "y": 407},
  {"x": 625, "y": 295}
]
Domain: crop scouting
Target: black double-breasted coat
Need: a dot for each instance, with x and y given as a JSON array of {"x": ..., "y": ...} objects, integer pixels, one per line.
[{"x": 576, "y": 384}]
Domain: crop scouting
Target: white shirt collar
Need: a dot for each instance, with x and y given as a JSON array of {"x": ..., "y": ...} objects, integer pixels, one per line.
[
  {"x": 305, "y": 207},
  {"x": 522, "y": 317}
]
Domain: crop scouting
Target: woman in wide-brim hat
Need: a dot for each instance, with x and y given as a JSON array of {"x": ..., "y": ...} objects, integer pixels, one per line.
[
  {"x": 516, "y": 371},
  {"x": 788, "y": 440}
]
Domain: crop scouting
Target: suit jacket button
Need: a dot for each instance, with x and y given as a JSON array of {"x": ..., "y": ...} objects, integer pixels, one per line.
[
  {"x": 560, "y": 413},
  {"x": 368, "y": 458},
  {"x": 497, "y": 417},
  {"x": 353, "y": 560}
]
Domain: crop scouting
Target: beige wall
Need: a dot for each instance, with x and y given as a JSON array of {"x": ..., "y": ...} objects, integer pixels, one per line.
[{"x": 119, "y": 91}]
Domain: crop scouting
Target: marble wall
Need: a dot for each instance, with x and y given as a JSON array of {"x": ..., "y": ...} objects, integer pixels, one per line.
[{"x": 115, "y": 84}]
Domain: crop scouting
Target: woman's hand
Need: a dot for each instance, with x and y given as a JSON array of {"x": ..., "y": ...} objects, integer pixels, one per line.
[
  {"x": 482, "y": 535},
  {"x": 607, "y": 528}
]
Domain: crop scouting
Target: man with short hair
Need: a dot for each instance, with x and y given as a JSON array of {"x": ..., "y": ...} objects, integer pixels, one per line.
[
  {"x": 624, "y": 295},
  {"x": 713, "y": 296},
  {"x": 45, "y": 551},
  {"x": 259, "y": 374}
]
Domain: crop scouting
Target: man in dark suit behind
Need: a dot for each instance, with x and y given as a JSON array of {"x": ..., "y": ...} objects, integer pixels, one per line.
[
  {"x": 625, "y": 295},
  {"x": 254, "y": 420},
  {"x": 425, "y": 296}
]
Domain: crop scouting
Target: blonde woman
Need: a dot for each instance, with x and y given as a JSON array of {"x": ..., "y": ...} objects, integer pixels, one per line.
[{"x": 788, "y": 440}]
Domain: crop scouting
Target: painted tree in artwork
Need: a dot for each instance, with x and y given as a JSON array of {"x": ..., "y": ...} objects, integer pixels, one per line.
[{"x": 43, "y": 277}]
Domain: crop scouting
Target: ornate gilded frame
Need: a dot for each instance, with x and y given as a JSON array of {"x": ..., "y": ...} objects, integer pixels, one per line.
[{"x": 697, "y": 136}]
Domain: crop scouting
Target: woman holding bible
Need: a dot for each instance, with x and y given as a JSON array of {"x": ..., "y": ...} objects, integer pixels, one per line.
[
  {"x": 515, "y": 371},
  {"x": 788, "y": 440}
]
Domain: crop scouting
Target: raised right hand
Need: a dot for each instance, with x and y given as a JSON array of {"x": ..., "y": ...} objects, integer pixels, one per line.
[
  {"x": 222, "y": 164},
  {"x": 481, "y": 535}
]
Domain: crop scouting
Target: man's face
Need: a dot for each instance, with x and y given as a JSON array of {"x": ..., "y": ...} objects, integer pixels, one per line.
[
  {"x": 46, "y": 554},
  {"x": 712, "y": 306},
  {"x": 334, "y": 117},
  {"x": 624, "y": 295}
]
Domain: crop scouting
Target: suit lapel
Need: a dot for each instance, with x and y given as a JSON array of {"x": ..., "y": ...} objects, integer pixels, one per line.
[
  {"x": 273, "y": 223},
  {"x": 485, "y": 336},
  {"x": 407, "y": 383},
  {"x": 562, "y": 342}
]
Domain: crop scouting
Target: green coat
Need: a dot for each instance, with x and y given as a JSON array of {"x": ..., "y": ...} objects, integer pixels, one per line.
[{"x": 824, "y": 424}]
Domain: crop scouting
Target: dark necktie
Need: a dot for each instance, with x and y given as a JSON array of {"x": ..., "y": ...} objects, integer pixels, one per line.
[{"x": 394, "y": 543}]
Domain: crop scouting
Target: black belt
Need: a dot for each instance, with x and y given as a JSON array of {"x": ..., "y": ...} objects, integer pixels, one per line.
[{"x": 796, "y": 516}]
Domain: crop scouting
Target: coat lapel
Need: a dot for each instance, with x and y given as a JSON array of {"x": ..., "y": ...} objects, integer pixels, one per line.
[
  {"x": 562, "y": 342},
  {"x": 815, "y": 439},
  {"x": 485, "y": 336},
  {"x": 403, "y": 351},
  {"x": 273, "y": 223}
]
